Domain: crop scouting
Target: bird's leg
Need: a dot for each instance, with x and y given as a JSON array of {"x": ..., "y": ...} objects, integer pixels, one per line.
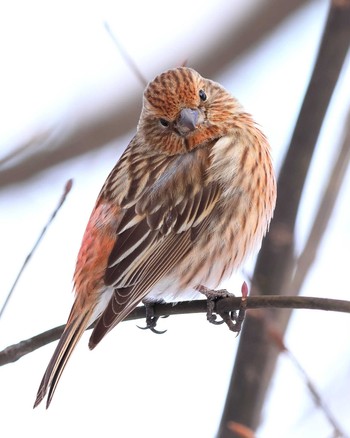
[
  {"x": 151, "y": 319},
  {"x": 212, "y": 296},
  {"x": 233, "y": 319}
]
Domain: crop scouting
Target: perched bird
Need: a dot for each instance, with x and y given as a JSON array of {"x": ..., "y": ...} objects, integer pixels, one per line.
[{"x": 189, "y": 199}]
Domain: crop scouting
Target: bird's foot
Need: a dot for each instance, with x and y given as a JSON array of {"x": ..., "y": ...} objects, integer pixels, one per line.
[
  {"x": 233, "y": 319},
  {"x": 151, "y": 319}
]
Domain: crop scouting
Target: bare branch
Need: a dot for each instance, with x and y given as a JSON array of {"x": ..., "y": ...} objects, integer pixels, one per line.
[
  {"x": 276, "y": 263},
  {"x": 45, "y": 138},
  {"x": 67, "y": 189},
  {"x": 276, "y": 336},
  {"x": 240, "y": 430},
  {"x": 16, "y": 351},
  {"x": 317, "y": 397},
  {"x": 129, "y": 61},
  {"x": 17, "y": 151},
  {"x": 235, "y": 40},
  {"x": 307, "y": 257}
]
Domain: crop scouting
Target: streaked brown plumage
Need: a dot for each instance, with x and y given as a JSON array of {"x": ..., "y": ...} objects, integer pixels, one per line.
[{"x": 190, "y": 198}]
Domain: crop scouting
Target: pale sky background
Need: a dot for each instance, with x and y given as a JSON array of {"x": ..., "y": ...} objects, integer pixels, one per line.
[{"x": 57, "y": 65}]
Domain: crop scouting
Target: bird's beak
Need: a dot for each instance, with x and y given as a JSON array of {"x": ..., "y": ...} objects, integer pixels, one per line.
[{"x": 187, "y": 120}]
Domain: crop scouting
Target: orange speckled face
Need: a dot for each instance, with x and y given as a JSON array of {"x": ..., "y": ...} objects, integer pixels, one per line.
[
  {"x": 173, "y": 90},
  {"x": 182, "y": 110}
]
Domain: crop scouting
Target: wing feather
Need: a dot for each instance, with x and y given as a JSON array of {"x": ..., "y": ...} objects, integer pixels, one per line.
[
  {"x": 124, "y": 300},
  {"x": 156, "y": 232}
]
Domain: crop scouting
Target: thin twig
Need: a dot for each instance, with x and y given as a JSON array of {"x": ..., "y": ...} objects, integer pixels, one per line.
[
  {"x": 16, "y": 351},
  {"x": 324, "y": 212},
  {"x": 276, "y": 336},
  {"x": 16, "y": 152},
  {"x": 318, "y": 399},
  {"x": 42, "y": 140},
  {"x": 127, "y": 58},
  {"x": 67, "y": 189},
  {"x": 236, "y": 39}
]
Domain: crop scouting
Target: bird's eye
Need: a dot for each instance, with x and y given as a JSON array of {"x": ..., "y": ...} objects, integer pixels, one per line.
[
  {"x": 202, "y": 95},
  {"x": 164, "y": 123}
]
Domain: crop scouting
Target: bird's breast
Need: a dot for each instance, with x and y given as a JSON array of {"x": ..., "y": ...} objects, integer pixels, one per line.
[{"x": 241, "y": 164}]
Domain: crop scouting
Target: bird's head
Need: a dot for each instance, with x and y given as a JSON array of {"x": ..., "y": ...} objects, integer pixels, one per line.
[{"x": 182, "y": 110}]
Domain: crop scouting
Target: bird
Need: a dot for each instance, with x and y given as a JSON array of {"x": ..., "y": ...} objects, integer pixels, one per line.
[{"x": 190, "y": 198}]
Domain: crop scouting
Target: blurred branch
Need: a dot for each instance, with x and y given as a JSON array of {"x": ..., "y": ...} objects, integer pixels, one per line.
[
  {"x": 67, "y": 189},
  {"x": 117, "y": 121},
  {"x": 127, "y": 58},
  {"x": 240, "y": 430},
  {"x": 307, "y": 257},
  {"x": 16, "y": 351},
  {"x": 89, "y": 135},
  {"x": 239, "y": 38},
  {"x": 256, "y": 358},
  {"x": 22, "y": 148},
  {"x": 316, "y": 395},
  {"x": 42, "y": 139}
]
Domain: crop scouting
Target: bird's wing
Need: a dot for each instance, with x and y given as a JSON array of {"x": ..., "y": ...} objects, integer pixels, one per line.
[{"x": 153, "y": 236}]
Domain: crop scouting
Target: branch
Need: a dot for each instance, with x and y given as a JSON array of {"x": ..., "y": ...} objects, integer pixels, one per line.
[
  {"x": 127, "y": 58},
  {"x": 256, "y": 358},
  {"x": 16, "y": 351},
  {"x": 66, "y": 190},
  {"x": 320, "y": 401},
  {"x": 106, "y": 126},
  {"x": 324, "y": 212}
]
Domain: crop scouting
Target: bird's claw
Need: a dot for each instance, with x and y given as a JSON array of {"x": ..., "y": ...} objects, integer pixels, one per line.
[
  {"x": 151, "y": 327},
  {"x": 151, "y": 319},
  {"x": 233, "y": 319},
  {"x": 211, "y": 316}
]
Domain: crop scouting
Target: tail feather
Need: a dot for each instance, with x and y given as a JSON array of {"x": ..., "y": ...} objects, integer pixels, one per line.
[{"x": 71, "y": 335}]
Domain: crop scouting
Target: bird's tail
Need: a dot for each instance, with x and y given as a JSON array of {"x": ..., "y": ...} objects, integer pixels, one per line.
[{"x": 73, "y": 331}]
